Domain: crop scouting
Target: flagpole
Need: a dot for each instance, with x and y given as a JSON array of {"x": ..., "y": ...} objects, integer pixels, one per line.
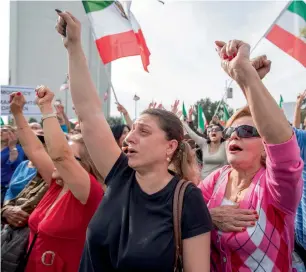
[
  {"x": 256, "y": 44},
  {"x": 267, "y": 31}
]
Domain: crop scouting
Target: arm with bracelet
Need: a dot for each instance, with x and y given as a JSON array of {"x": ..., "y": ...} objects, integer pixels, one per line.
[{"x": 32, "y": 146}]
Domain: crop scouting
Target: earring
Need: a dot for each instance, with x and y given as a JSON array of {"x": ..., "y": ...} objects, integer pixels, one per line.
[{"x": 168, "y": 159}]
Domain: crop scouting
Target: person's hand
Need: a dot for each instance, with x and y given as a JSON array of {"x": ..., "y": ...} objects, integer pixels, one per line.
[
  {"x": 262, "y": 65},
  {"x": 232, "y": 218},
  {"x": 69, "y": 27},
  {"x": 190, "y": 113},
  {"x": 12, "y": 140},
  {"x": 174, "y": 107},
  {"x": 160, "y": 106},
  {"x": 17, "y": 102},
  {"x": 121, "y": 109},
  {"x": 300, "y": 99},
  {"x": 152, "y": 105},
  {"x": 235, "y": 58},
  {"x": 44, "y": 97},
  {"x": 15, "y": 216}
]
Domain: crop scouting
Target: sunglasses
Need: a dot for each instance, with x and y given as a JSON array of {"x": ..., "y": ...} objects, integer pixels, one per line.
[
  {"x": 243, "y": 131},
  {"x": 215, "y": 129}
]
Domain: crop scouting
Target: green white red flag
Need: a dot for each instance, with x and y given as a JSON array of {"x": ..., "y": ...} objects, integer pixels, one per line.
[
  {"x": 289, "y": 31},
  {"x": 116, "y": 31}
]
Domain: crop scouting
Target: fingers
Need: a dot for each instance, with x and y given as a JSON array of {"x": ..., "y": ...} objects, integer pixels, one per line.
[
  {"x": 66, "y": 16},
  {"x": 246, "y": 212},
  {"x": 219, "y": 45},
  {"x": 23, "y": 214}
]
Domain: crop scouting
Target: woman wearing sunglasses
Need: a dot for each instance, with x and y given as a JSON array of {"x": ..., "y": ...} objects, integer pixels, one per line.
[
  {"x": 263, "y": 177},
  {"x": 59, "y": 222},
  {"x": 213, "y": 148}
]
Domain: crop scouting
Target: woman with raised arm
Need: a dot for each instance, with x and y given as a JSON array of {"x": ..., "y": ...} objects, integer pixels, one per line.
[
  {"x": 132, "y": 229},
  {"x": 213, "y": 148},
  {"x": 58, "y": 224},
  {"x": 263, "y": 177}
]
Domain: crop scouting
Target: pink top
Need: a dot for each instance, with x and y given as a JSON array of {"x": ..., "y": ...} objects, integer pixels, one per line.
[{"x": 274, "y": 193}]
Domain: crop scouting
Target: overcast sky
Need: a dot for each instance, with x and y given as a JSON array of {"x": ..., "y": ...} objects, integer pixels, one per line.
[{"x": 184, "y": 64}]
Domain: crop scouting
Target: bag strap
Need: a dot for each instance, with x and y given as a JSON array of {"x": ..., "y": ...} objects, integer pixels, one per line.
[{"x": 177, "y": 218}]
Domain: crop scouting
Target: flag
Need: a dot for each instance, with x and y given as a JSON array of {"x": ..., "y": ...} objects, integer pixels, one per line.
[
  {"x": 123, "y": 119},
  {"x": 202, "y": 122},
  {"x": 226, "y": 114},
  {"x": 289, "y": 31},
  {"x": 184, "y": 111},
  {"x": 136, "y": 97},
  {"x": 116, "y": 31},
  {"x": 281, "y": 100}
]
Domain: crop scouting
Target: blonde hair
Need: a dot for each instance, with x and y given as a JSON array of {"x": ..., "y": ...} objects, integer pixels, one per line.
[
  {"x": 244, "y": 112},
  {"x": 86, "y": 160},
  {"x": 183, "y": 161}
]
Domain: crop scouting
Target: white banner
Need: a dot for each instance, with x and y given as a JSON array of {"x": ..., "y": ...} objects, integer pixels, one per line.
[{"x": 30, "y": 108}]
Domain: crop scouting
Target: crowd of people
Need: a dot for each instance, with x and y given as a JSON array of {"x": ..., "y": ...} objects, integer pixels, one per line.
[{"x": 101, "y": 198}]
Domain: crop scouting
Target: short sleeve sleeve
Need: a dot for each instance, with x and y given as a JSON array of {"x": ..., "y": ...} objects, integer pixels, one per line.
[
  {"x": 120, "y": 167},
  {"x": 196, "y": 218}
]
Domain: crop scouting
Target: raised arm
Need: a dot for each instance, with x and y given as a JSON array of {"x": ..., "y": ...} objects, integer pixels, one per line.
[
  {"x": 31, "y": 145},
  {"x": 297, "y": 111},
  {"x": 126, "y": 115},
  {"x": 97, "y": 135},
  {"x": 269, "y": 119},
  {"x": 70, "y": 170},
  {"x": 200, "y": 141}
]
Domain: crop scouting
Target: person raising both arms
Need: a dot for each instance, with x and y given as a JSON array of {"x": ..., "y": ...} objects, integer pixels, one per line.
[
  {"x": 58, "y": 223},
  {"x": 132, "y": 230},
  {"x": 263, "y": 176}
]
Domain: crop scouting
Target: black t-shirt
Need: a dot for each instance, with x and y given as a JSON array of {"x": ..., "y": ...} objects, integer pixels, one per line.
[{"x": 133, "y": 231}]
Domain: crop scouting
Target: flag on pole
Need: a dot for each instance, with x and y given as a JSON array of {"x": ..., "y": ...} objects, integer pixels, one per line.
[
  {"x": 116, "y": 31},
  {"x": 184, "y": 111},
  {"x": 281, "y": 100},
  {"x": 202, "y": 122},
  {"x": 226, "y": 114},
  {"x": 289, "y": 31},
  {"x": 136, "y": 97}
]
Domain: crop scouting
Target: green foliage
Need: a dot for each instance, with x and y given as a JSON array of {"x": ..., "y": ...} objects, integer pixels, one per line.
[
  {"x": 112, "y": 121},
  {"x": 209, "y": 107},
  {"x": 32, "y": 120}
]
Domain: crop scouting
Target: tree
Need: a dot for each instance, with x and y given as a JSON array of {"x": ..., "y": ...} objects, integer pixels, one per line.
[
  {"x": 32, "y": 120},
  {"x": 112, "y": 121},
  {"x": 209, "y": 107}
]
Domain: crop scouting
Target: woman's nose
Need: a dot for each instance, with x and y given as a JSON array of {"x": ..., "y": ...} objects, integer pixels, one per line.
[{"x": 234, "y": 136}]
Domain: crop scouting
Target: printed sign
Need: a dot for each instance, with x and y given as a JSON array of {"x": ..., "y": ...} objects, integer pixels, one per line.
[{"x": 30, "y": 108}]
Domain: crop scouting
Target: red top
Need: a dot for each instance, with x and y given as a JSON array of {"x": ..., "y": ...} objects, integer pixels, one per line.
[{"x": 61, "y": 235}]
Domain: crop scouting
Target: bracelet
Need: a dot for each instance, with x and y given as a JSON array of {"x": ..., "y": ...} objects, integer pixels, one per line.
[{"x": 50, "y": 115}]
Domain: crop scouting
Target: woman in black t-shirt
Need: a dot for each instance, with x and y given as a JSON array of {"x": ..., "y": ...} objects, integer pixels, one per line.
[{"x": 132, "y": 230}]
